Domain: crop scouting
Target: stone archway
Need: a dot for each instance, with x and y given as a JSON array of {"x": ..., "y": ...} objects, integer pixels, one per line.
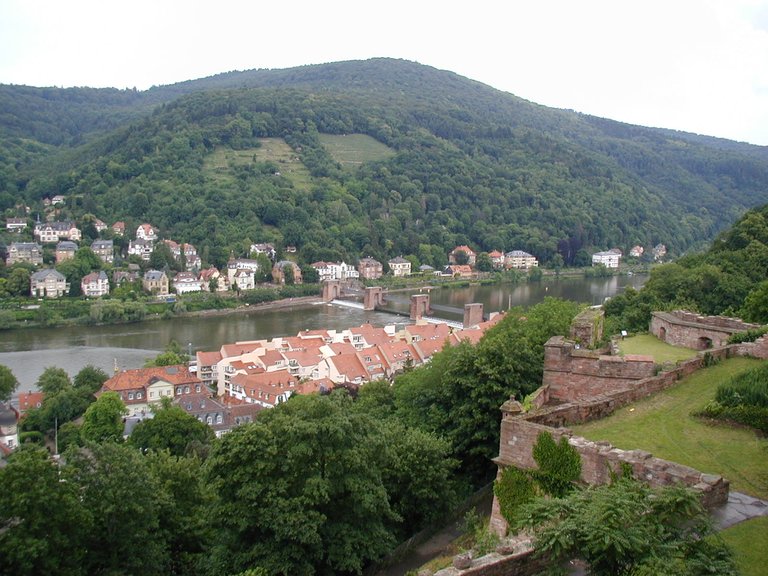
[
  {"x": 663, "y": 334},
  {"x": 704, "y": 343}
]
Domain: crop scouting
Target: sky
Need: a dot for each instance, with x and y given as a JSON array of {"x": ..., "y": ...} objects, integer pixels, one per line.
[{"x": 695, "y": 65}]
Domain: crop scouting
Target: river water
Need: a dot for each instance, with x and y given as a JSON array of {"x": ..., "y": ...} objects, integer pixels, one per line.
[{"x": 28, "y": 352}]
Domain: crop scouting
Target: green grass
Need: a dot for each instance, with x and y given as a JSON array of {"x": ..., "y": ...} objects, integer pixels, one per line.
[
  {"x": 649, "y": 345},
  {"x": 747, "y": 540},
  {"x": 352, "y": 150},
  {"x": 219, "y": 163},
  {"x": 663, "y": 425}
]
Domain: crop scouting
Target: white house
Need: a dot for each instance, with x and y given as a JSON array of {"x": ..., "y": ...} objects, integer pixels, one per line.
[
  {"x": 400, "y": 266},
  {"x": 609, "y": 259},
  {"x": 95, "y": 284}
]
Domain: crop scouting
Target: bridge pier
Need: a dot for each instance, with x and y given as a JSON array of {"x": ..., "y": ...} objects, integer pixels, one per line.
[
  {"x": 419, "y": 306},
  {"x": 473, "y": 314},
  {"x": 331, "y": 290},
  {"x": 374, "y": 296}
]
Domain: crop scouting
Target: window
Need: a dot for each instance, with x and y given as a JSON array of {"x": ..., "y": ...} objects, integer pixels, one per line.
[
  {"x": 130, "y": 395},
  {"x": 138, "y": 395},
  {"x": 218, "y": 418},
  {"x": 178, "y": 389},
  {"x": 152, "y": 394},
  {"x": 197, "y": 387},
  {"x": 186, "y": 389},
  {"x": 209, "y": 420}
]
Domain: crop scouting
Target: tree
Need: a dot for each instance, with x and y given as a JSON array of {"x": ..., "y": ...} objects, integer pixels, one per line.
[
  {"x": 53, "y": 380},
  {"x": 628, "y": 528},
  {"x": 171, "y": 429},
  {"x": 123, "y": 499},
  {"x": 8, "y": 383},
  {"x": 301, "y": 491},
  {"x": 19, "y": 282},
  {"x": 484, "y": 262},
  {"x": 42, "y": 525},
  {"x": 103, "y": 420},
  {"x": 90, "y": 379},
  {"x": 461, "y": 257},
  {"x": 171, "y": 356}
]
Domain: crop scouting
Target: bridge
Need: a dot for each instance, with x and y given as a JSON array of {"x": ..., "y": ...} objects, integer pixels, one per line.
[{"x": 376, "y": 298}]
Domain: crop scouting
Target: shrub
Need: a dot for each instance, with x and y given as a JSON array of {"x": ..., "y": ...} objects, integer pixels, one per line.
[
  {"x": 514, "y": 488},
  {"x": 748, "y": 336},
  {"x": 559, "y": 464}
]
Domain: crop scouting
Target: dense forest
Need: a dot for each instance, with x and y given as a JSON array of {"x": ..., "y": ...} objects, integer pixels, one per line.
[{"x": 466, "y": 164}]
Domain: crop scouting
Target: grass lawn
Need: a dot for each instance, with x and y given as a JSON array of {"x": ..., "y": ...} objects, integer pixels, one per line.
[
  {"x": 218, "y": 165},
  {"x": 663, "y": 425},
  {"x": 352, "y": 150},
  {"x": 650, "y": 345},
  {"x": 747, "y": 540}
]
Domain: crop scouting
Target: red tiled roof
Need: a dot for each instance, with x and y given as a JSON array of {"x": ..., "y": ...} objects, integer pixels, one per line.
[
  {"x": 134, "y": 379},
  {"x": 349, "y": 366},
  {"x": 208, "y": 358},
  {"x": 239, "y": 348},
  {"x": 29, "y": 400}
]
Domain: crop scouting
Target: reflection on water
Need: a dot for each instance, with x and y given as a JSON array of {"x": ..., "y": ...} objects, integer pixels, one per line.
[{"x": 28, "y": 352}]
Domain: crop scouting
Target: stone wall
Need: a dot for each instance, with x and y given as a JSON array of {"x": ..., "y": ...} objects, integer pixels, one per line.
[
  {"x": 680, "y": 328},
  {"x": 514, "y": 557},
  {"x": 572, "y": 373}
]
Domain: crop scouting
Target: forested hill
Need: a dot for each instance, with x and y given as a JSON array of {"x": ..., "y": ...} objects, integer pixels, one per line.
[{"x": 250, "y": 156}]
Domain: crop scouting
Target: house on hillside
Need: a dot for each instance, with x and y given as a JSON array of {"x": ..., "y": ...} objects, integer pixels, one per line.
[
  {"x": 105, "y": 250},
  {"x": 455, "y": 256},
  {"x": 212, "y": 275},
  {"x": 9, "y": 431},
  {"x": 146, "y": 232},
  {"x": 520, "y": 260},
  {"x": 15, "y": 224},
  {"x": 48, "y": 283},
  {"x": 95, "y": 284},
  {"x": 609, "y": 259},
  {"x": 278, "y": 272},
  {"x": 458, "y": 271},
  {"x": 30, "y": 252},
  {"x": 49, "y": 232},
  {"x": 118, "y": 228},
  {"x": 370, "y": 269},
  {"x": 185, "y": 282},
  {"x": 156, "y": 282},
  {"x": 65, "y": 250},
  {"x": 399, "y": 266},
  {"x": 497, "y": 258}
]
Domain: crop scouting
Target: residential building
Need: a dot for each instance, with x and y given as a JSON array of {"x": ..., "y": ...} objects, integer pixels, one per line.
[
  {"x": 243, "y": 279},
  {"x": 609, "y": 259},
  {"x": 155, "y": 282},
  {"x": 278, "y": 272},
  {"x": 335, "y": 271},
  {"x": 212, "y": 274},
  {"x": 141, "y": 388},
  {"x": 65, "y": 250},
  {"x": 497, "y": 258},
  {"x": 219, "y": 416},
  {"x": 185, "y": 282},
  {"x": 236, "y": 264},
  {"x": 455, "y": 255},
  {"x": 659, "y": 251},
  {"x": 264, "y": 248},
  {"x": 120, "y": 276},
  {"x": 146, "y": 232},
  {"x": 48, "y": 283},
  {"x": 15, "y": 224},
  {"x": 636, "y": 251},
  {"x": 48, "y": 232},
  {"x": 458, "y": 271},
  {"x": 206, "y": 367},
  {"x": 519, "y": 259},
  {"x": 399, "y": 266},
  {"x": 9, "y": 431},
  {"x": 28, "y": 401},
  {"x": 100, "y": 225},
  {"x": 58, "y": 199},
  {"x": 141, "y": 248},
  {"x": 30, "y": 252},
  {"x": 370, "y": 269},
  {"x": 95, "y": 284},
  {"x": 104, "y": 249},
  {"x": 119, "y": 228}
]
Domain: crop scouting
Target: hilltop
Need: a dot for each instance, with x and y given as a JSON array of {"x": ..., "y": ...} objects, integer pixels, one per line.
[{"x": 423, "y": 160}]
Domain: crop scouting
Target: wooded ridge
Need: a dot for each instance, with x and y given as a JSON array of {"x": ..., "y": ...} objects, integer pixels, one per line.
[{"x": 466, "y": 165}]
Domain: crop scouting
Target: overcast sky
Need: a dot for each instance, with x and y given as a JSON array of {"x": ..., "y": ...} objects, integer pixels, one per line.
[{"x": 694, "y": 65}]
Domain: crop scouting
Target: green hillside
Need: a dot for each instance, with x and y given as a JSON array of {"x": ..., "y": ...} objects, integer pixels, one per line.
[{"x": 382, "y": 157}]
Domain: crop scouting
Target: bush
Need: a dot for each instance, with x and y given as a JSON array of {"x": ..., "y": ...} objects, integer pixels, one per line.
[
  {"x": 559, "y": 464},
  {"x": 748, "y": 336},
  {"x": 514, "y": 488}
]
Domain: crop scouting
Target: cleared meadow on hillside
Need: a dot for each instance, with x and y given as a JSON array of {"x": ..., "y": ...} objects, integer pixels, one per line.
[{"x": 352, "y": 150}]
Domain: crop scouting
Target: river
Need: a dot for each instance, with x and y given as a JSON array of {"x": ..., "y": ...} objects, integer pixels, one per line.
[{"x": 28, "y": 352}]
